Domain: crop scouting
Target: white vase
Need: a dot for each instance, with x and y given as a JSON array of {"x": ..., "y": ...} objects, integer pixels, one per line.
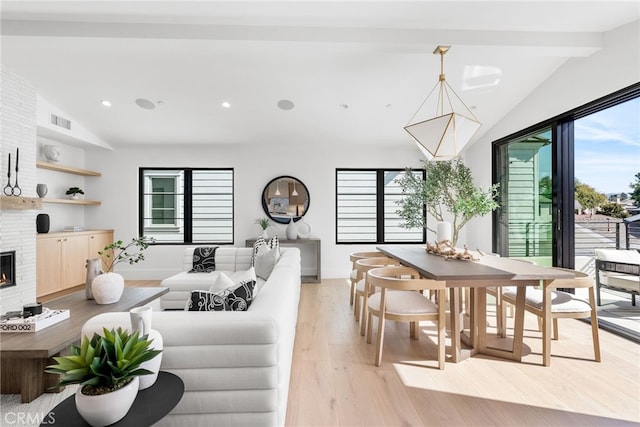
[
  {"x": 94, "y": 269},
  {"x": 152, "y": 365},
  {"x": 292, "y": 230},
  {"x": 443, "y": 231},
  {"x": 109, "y": 408},
  {"x": 265, "y": 234},
  {"x": 107, "y": 288}
]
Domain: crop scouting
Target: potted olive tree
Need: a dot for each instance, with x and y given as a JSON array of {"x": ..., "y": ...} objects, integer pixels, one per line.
[
  {"x": 108, "y": 369},
  {"x": 107, "y": 287},
  {"x": 447, "y": 189}
]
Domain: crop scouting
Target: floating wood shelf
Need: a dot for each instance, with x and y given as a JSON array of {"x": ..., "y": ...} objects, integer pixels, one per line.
[
  {"x": 72, "y": 202},
  {"x": 21, "y": 203},
  {"x": 66, "y": 169}
]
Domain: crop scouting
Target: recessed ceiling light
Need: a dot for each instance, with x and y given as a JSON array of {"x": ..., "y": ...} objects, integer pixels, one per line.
[
  {"x": 145, "y": 103},
  {"x": 344, "y": 106},
  {"x": 285, "y": 104},
  {"x": 105, "y": 103},
  {"x": 225, "y": 104}
]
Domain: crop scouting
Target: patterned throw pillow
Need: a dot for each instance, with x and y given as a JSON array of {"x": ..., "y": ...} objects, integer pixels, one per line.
[
  {"x": 265, "y": 255},
  {"x": 238, "y": 296},
  {"x": 206, "y": 301}
]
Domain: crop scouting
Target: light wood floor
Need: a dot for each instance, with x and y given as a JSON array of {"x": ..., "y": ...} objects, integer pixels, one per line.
[{"x": 335, "y": 383}]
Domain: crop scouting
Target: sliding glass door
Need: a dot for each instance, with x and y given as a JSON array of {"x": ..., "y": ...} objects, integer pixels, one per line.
[{"x": 524, "y": 221}]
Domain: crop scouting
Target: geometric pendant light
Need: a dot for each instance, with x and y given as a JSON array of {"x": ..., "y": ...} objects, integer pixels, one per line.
[{"x": 444, "y": 134}]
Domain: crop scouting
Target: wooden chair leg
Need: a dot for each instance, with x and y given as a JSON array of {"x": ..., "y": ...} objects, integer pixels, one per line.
[
  {"x": 380, "y": 340},
  {"x": 352, "y": 293},
  {"x": 413, "y": 330},
  {"x": 555, "y": 329},
  {"x": 441, "y": 330},
  {"x": 369, "y": 327},
  {"x": 363, "y": 316},
  {"x": 356, "y": 308}
]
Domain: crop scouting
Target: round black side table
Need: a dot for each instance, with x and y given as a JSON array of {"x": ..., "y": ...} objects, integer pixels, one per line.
[{"x": 150, "y": 406}]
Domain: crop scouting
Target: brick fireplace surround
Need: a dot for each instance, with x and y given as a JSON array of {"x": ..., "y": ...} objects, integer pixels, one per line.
[{"x": 17, "y": 227}]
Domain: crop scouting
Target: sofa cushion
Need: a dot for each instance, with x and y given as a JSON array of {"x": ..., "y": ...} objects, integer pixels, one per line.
[{"x": 206, "y": 301}]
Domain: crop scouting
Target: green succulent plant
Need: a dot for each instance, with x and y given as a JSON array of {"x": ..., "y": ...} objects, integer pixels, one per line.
[
  {"x": 263, "y": 223},
  {"x": 104, "y": 363}
]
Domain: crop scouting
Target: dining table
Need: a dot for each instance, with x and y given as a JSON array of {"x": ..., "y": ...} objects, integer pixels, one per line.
[{"x": 484, "y": 271}]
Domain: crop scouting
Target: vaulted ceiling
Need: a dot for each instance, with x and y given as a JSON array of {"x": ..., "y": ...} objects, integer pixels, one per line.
[{"x": 355, "y": 71}]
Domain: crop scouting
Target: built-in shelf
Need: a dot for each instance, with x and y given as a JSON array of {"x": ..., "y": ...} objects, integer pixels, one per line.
[
  {"x": 66, "y": 169},
  {"x": 72, "y": 202},
  {"x": 21, "y": 203}
]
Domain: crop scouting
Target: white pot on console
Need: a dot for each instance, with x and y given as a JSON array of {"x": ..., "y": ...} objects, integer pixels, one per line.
[
  {"x": 109, "y": 408},
  {"x": 152, "y": 365},
  {"x": 107, "y": 288}
]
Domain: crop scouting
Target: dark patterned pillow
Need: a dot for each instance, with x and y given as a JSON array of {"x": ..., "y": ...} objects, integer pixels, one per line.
[
  {"x": 240, "y": 298},
  {"x": 206, "y": 301}
]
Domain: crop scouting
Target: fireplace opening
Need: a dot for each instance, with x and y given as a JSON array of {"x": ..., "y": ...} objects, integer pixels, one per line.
[{"x": 7, "y": 269}]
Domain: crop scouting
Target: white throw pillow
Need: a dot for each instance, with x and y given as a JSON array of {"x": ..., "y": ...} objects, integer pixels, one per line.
[
  {"x": 221, "y": 283},
  {"x": 265, "y": 260}
]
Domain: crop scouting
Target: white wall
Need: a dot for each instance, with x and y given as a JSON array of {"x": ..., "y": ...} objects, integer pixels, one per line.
[
  {"x": 253, "y": 169},
  {"x": 577, "y": 82}
]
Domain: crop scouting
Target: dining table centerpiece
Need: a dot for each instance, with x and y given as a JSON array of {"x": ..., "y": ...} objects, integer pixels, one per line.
[{"x": 447, "y": 194}]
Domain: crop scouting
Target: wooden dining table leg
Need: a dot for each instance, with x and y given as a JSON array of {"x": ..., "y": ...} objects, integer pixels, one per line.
[
  {"x": 518, "y": 329},
  {"x": 454, "y": 313},
  {"x": 479, "y": 297},
  {"x": 546, "y": 324}
]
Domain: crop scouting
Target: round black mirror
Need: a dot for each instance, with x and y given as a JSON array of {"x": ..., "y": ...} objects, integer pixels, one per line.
[{"x": 285, "y": 198}]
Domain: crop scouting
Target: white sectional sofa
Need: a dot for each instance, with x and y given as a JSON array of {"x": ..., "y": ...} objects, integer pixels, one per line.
[{"x": 235, "y": 365}]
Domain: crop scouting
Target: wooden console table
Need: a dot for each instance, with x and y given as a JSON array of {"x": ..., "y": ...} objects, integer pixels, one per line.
[
  {"x": 310, "y": 273},
  {"x": 24, "y": 356}
]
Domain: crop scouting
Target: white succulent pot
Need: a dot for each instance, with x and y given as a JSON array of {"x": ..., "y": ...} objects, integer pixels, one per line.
[
  {"x": 152, "y": 365},
  {"x": 107, "y": 288},
  {"x": 109, "y": 408}
]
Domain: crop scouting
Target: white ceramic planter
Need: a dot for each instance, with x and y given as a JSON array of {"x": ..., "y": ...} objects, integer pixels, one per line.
[
  {"x": 292, "y": 230},
  {"x": 107, "y": 408},
  {"x": 152, "y": 365},
  {"x": 107, "y": 288}
]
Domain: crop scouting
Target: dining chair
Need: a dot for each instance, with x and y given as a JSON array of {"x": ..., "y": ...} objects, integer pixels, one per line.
[
  {"x": 353, "y": 257},
  {"x": 363, "y": 290},
  {"x": 561, "y": 304},
  {"x": 405, "y": 304}
]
